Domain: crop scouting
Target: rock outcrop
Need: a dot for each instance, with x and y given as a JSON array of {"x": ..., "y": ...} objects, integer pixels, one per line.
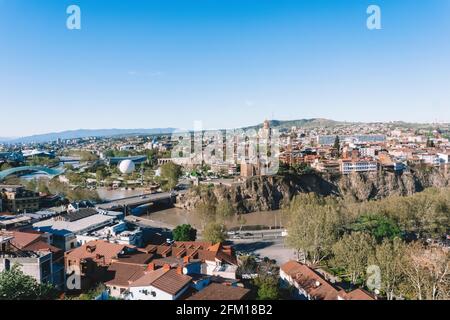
[{"x": 269, "y": 193}]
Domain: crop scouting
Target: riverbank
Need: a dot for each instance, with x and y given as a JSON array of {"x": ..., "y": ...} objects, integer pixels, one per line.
[{"x": 175, "y": 216}]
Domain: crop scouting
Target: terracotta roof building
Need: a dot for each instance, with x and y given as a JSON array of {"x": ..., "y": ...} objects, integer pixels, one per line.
[
  {"x": 312, "y": 286},
  {"x": 216, "y": 291},
  {"x": 92, "y": 259},
  {"x": 217, "y": 259},
  {"x": 162, "y": 284}
]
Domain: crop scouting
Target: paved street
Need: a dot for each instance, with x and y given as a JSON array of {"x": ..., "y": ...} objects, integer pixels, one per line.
[{"x": 274, "y": 249}]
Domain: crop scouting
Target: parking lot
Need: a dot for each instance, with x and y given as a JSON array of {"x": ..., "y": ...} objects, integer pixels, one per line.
[{"x": 273, "y": 249}]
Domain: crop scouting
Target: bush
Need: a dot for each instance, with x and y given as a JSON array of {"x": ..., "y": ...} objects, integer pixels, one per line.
[{"x": 184, "y": 232}]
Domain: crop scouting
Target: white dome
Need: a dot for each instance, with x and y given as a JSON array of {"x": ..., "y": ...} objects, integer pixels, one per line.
[{"x": 126, "y": 166}]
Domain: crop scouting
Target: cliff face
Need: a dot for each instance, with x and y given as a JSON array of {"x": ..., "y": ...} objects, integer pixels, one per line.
[{"x": 269, "y": 193}]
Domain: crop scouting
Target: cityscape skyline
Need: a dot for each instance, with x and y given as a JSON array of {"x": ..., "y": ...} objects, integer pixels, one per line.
[
  {"x": 226, "y": 63},
  {"x": 109, "y": 132}
]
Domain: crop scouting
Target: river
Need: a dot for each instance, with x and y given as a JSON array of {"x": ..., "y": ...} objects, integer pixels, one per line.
[
  {"x": 176, "y": 216},
  {"x": 108, "y": 194}
]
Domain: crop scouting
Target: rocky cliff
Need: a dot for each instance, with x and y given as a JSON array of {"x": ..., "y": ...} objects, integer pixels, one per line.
[{"x": 269, "y": 193}]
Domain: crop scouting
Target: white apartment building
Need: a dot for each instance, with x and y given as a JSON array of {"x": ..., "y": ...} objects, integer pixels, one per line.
[
  {"x": 444, "y": 157},
  {"x": 431, "y": 159},
  {"x": 368, "y": 151},
  {"x": 349, "y": 166}
]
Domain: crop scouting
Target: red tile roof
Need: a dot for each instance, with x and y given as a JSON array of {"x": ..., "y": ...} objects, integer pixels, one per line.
[
  {"x": 317, "y": 287},
  {"x": 216, "y": 291},
  {"x": 102, "y": 252},
  {"x": 23, "y": 239},
  {"x": 124, "y": 274},
  {"x": 172, "y": 282},
  {"x": 169, "y": 281},
  {"x": 205, "y": 251}
]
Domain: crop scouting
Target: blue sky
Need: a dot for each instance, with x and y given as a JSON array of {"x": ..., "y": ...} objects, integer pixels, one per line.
[{"x": 228, "y": 63}]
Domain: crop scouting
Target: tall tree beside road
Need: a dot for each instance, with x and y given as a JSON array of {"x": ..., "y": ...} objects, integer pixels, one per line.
[
  {"x": 389, "y": 257},
  {"x": 206, "y": 212},
  {"x": 313, "y": 226},
  {"x": 352, "y": 253},
  {"x": 170, "y": 173},
  {"x": 224, "y": 210},
  {"x": 427, "y": 272},
  {"x": 215, "y": 232}
]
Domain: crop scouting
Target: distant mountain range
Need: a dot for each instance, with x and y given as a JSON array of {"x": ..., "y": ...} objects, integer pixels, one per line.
[
  {"x": 83, "y": 133},
  {"x": 303, "y": 123},
  {"x": 6, "y": 139}
]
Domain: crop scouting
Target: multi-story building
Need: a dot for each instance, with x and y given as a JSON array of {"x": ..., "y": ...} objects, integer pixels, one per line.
[
  {"x": 358, "y": 165},
  {"x": 65, "y": 228},
  {"x": 92, "y": 260},
  {"x": 430, "y": 159},
  {"x": 444, "y": 157},
  {"x": 34, "y": 256},
  {"x": 17, "y": 199},
  {"x": 327, "y": 166}
]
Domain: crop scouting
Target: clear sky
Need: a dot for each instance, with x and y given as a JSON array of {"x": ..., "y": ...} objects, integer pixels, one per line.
[{"x": 228, "y": 63}]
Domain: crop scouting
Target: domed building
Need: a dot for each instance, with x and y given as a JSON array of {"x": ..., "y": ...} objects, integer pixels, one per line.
[{"x": 127, "y": 167}]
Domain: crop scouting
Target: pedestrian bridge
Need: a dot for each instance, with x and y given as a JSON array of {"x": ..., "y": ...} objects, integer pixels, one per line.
[{"x": 51, "y": 172}]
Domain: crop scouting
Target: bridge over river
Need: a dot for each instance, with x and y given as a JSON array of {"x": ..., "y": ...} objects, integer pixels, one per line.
[{"x": 136, "y": 201}]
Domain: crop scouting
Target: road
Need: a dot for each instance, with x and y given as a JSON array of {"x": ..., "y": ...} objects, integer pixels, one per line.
[
  {"x": 262, "y": 243},
  {"x": 268, "y": 234},
  {"x": 273, "y": 249}
]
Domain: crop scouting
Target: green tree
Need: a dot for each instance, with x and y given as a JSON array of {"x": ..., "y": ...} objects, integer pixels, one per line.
[
  {"x": 15, "y": 285},
  {"x": 427, "y": 272},
  {"x": 378, "y": 226},
  {"x": 337, "y": 145},
  {"x": 267, "y": 280},
  {"x": 206, "y": 212},
  {"x": 241, "y": 221},
  {"x": 389, "y": 257},
  {"x": 68, "y": 166},
  {"x": 170, "y": 173},
  {"x": 101, "y": 174},
  {"x": 247, "y": 265},
  {"x": 87, "y": 156},
  {"x": 184, "y": 232},
  {"x": 5, "y": 166},
  {"x": 215, "y": 232},
  {"x": 42, "y": 185},
  {"x": 352, "y": 253},
  {"x": 313, "y": 226},
  {"x": 268, "y": 288},
  {"x": 224, "y": 210}
]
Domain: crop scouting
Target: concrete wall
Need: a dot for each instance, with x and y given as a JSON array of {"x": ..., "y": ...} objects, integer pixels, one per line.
[
  {"x": 136, "y": 293},
  {"x": 31, "y": 266}
]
